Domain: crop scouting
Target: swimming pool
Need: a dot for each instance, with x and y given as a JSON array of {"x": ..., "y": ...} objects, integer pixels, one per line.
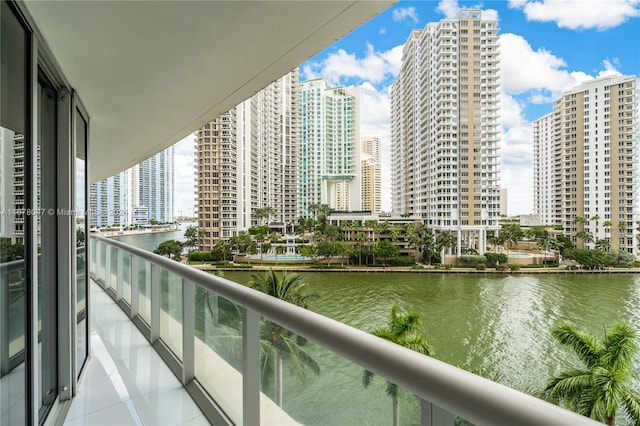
[{"x": 516, "y": 254}]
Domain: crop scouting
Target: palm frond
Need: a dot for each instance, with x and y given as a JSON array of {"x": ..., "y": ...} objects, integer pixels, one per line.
[
  {"x": 569, "y": 385},
  {"x": 584, "y": 345},
  {"x": 619, "y": 347},
  {"x": 367, "y": 376},
  {"x": 631, "y": 404}
]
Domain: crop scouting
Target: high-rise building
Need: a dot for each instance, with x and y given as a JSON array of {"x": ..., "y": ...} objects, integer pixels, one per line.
[
  {"x": 547, "y": 170},
  {"x": 586, "y": 163},
  {"x": 109, "y": 199},
  {"x": 247, "y": 160},
  {"x": 122, "y": 199},
  {"x": 154, "y": 190},
  {"x": 371, "y": 174},
  {"x": 445, "y": 128},
  {"x": 329, "y": 150},
  {"x": 12, "y": 185}
]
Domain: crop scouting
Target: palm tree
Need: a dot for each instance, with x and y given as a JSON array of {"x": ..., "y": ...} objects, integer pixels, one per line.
[
  {"x": 444, "y": 240},
  {"x": 602, "y": 388},
  {"x": 277, "y": 344},
  {"x": 585, "y": 236},
  {"x": 403, "y": 330}
]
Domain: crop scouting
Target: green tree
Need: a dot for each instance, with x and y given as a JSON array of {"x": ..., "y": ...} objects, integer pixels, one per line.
[
  {"x": 601, "y": 388},
  {"x": 511, "y": 234},
  {"x": 385, "y": 249},
  {"x": 585, "y": 236},
  {"x": 602, "y": 244},
  {"x": 327, "y": 248},
  {"x": 279, "y": 345},
  {"x": 192, "y": 236},
  {"x": 590, "y": 259},
  {"x": 221, "y": 250},
  {"x": 402, "y": 329},
  {"x": 361, "y": 238},
  {"x": 444, "y": 240},
  {"x": 170, "y": 248},
  {"x": 263, "y": 213}
]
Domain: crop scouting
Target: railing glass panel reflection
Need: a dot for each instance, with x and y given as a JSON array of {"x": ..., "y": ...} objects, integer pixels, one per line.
[{"x": 213, "y": 333}]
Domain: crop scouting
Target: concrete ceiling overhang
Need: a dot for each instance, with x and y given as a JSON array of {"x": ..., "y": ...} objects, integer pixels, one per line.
[{"x": 149, "y": 73}]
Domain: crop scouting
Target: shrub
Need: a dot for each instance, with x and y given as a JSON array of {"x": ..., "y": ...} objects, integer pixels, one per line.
[
  {"x": 481, "y": 266},
  {"x": 514, "y": 267},
  {"x": 495, "y": 258},
  {"x": 502, "y": 267},
  {"x": 473, "y": 260},
  {"x": 447, "y": 267},
  {"x": 402, "y": 261},
  {"x": 199, "y": 256}
]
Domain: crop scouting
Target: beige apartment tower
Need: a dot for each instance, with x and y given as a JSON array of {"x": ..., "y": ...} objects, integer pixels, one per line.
[
  {"x": 445, "y": 128},
  {"x": 247, "y": 159},
  {"x": 586, "y": 164},
  {"x": 371, "y": 174}
]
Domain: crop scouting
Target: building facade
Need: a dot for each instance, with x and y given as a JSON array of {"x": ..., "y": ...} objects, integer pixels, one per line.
[
  {"x": 593, "y": 182},
  {"x": 445, "y": 128},
  {"x": 329, "y": 147},
  {"x": 370, "y": 171},
  {"x": 247, "y": 159},
  {"x": 155, "y": 179},
  {"x": 12, "y": 185},
  {"x": 123, "y": 199},
  {"x": 547, "y": 170}
]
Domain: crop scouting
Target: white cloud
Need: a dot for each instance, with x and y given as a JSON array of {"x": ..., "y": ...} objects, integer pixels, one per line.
[
  {"x": 524, "y": 69},
  {"x": 374, "y": 66},
  {"x": 579, "y": 14},
  {"x": 183, "y": 189},
  {"x": 450, "y": 8},
  {"x": 382, "y": 31},
  {"x": 517, "y": 155},
  {"x": 399, "y": 14}
]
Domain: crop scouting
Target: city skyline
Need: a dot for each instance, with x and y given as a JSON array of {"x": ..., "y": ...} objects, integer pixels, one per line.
[{"x": 546, "y": 49}]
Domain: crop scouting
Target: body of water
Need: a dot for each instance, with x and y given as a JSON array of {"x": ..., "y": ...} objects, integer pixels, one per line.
[
  {"x": 499, "y": 324},
  {"x": 152, "y": 240}
]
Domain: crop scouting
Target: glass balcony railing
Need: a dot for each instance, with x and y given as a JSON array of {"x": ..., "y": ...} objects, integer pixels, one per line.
[{"x": 215, "y": 335}]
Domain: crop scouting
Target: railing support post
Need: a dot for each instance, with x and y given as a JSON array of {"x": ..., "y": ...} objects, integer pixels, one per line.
[
  {"x": 107, "y": 266},
  {"x": 188, "y": 332},
  {"x": 135, "y": 287},
  {"x": 432, "y": 415},
  {"x": 4, "y": 321},
  {"x": 155, "y": 303},
  {"x": 250, "y": 367},
  {"x": 120, "y": 275}
]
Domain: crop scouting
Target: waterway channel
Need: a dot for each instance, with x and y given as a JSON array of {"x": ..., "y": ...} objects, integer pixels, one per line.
[{"x": 497, "y": 323}]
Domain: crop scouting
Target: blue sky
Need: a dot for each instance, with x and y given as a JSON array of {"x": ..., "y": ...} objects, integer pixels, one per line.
[{"x": 546, "y": 47}]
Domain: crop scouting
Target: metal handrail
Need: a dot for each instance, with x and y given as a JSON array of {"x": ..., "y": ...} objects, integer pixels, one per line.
[{"x": 467, "y": 395}]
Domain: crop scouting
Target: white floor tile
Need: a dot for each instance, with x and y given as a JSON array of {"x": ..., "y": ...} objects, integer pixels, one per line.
[{"x": 126, "y": 382}]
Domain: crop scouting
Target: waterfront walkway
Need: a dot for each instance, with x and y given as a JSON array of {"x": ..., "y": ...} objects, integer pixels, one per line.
[{"x": 425, "y": 270}]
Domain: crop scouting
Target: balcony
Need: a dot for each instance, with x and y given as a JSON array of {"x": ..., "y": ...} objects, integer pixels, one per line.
[{"x": 207, "y": 330}]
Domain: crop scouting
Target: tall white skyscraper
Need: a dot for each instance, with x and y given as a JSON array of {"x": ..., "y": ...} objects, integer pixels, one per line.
[
  {"x": 147, "y": 186},
  {"x": 155, "y": 178},
  {"x": 445, "y": 128},
  {"x": 248, "y": 160},
  {"x": 586, "y": 163},
  {"x": 329, "y": 165}
]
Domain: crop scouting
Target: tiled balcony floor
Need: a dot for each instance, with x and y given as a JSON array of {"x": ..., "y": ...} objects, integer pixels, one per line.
[{"x": 126, "y": 382}]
